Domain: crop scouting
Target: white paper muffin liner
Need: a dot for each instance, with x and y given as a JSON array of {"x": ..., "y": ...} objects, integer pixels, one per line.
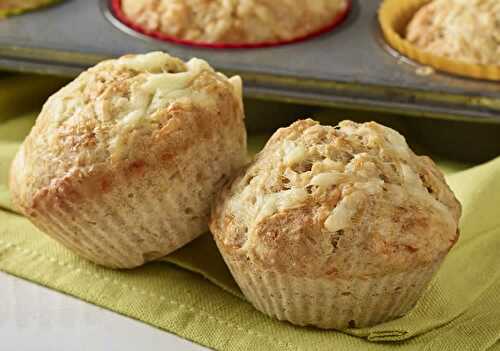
[
  {"x": 332, "y": 303},
  {"x": 138, "y": 220}
]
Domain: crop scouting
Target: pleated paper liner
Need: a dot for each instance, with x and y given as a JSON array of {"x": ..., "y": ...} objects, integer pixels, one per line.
[
  {"x": 332, "y": 303},
  {"x": 17, "y": 7},
  {"x": 131, "y": 224},
  {"x": 116, "y": 7},
  {"x": 394, "y": 16}
]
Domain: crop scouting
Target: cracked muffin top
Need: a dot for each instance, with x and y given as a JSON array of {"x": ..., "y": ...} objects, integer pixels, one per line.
[
  {"x": 464, "y": 30},
  {"x": 324, "y": 201},
  {"x": 138, "y": 108},
  {"x": 233, "y": 21}
]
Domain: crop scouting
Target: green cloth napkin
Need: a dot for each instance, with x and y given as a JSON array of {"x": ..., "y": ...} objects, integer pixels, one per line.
[{"x": 193, "y": 295}]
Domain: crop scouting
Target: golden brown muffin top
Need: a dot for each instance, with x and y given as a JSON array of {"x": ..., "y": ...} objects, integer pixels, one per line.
[
  {"x": 122, "y": 113},
  {"x": 233, "y": 21},
  {"x": 351, "y": 200},
  {"x": 464, "y": 30}
]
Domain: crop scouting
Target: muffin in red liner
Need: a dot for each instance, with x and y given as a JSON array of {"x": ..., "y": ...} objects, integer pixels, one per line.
[{"x": 227, "y": 24}]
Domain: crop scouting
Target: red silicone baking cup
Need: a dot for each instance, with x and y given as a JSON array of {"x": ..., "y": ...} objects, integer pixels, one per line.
[{"x": 116, "y": 6}]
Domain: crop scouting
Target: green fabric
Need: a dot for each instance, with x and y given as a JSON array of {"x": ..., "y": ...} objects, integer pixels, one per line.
[{"x": 193, "y": 295}]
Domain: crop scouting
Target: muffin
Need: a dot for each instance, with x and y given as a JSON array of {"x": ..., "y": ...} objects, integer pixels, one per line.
[
  {"x": 335, "y": 227},
  {"x": 233, "y": 22},
  {"x": 123, "y": 163},
  {"x": 464, "y": 30},
  {"x": 15, "y": 7}
]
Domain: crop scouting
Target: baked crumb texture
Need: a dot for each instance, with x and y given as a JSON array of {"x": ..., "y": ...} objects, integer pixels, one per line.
[
  {"x": 464, "y": 30},
  {"x": 234, "y": 22},
  {"x": 124, "y": 161},
  {"x": 335, "y": 226}
]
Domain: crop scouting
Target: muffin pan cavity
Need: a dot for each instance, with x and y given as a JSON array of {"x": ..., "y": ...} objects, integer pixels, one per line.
[
  {"x": 346, "y": 67},
  {"x": 121, "y": 20}
]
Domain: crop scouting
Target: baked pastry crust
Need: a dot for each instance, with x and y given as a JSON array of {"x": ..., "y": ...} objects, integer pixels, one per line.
[
  {"x": 337, "y": 202},
  {"x": 233, "y": 22},
  {"x": 123, "y": 162},
  {"x": 335, "y": 227},
  {"x": 464, "y": 30}
]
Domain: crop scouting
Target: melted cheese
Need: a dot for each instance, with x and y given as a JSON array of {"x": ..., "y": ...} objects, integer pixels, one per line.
[
  {"x": 397, "y": 143},
  {"x": 327, "y": 179},
  {"x": 340, "y": 217},
  {"x": 168, "y": 82},
  {"x": 327, "y": 165},
  {"x": 276, "y": 202},
  {"x": 237, "y": 84},
  {"x": 265, "y": 206},
  {"x": 293, "y": 153},
  {"x": 145, "y": 63}
]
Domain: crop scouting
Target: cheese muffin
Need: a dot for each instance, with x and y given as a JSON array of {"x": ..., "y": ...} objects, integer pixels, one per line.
[
  {"x": 15, "y": 7},
  {"x": 122, "y": 163},
  {"x": 335, "y": 227},
  {"x": 464, "y": 30},
  {"x": 233, "y": 22}
]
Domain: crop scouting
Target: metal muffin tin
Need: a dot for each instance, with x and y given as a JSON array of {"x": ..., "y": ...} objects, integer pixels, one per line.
[{"x": 348, "y": 67}]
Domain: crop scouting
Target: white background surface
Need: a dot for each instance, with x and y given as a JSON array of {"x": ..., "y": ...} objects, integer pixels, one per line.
[{"x": 34, "y": 318}]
